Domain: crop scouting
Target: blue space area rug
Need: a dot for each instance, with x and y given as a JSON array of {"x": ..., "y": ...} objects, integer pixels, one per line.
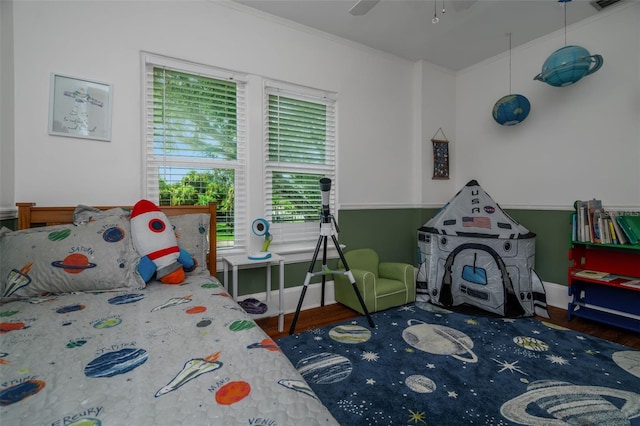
[{"x": 423, "y": 365}]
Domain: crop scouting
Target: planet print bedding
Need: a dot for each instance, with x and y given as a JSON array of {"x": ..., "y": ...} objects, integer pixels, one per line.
[{"x": 164, "y": 355}]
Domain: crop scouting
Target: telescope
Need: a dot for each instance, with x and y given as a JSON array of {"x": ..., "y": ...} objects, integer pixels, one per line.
[
  {"x": 326, "y": 231},
  {"x": 325, "y": 188}
]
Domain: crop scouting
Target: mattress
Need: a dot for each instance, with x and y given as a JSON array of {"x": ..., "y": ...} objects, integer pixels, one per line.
[{"x": 165, "y": 355}]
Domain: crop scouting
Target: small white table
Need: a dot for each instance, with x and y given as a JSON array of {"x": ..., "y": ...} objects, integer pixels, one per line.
[{"x": 242, "y": 260}]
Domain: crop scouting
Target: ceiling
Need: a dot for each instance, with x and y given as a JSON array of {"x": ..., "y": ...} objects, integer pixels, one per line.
[{"x": 468, "y": 32}]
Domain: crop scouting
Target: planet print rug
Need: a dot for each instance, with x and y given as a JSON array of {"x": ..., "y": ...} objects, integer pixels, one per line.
[{"x": 423, "y": 365}]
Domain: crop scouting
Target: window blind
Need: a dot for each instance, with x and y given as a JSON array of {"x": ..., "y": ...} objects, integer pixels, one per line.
[
  {"x": 299, "y": 151},
  {"x": 195, "y": 141}
]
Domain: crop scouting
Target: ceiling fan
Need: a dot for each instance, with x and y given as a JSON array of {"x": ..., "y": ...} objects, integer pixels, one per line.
[{"x": 361, "y": 7}]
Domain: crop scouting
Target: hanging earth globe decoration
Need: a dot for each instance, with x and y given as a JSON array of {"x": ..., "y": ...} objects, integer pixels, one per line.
[
  {"x": 568, "y": 65},
  {"x": 511, "y": 110}
]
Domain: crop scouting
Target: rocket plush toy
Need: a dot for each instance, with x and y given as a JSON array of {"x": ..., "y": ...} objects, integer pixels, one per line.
[{"x": 155, "y": 240}]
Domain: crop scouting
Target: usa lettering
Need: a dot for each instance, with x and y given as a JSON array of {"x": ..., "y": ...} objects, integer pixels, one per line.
[{"x": 476, "y": 200}]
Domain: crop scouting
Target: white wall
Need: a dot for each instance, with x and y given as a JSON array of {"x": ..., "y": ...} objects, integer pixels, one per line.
[
  {"x": 579, "y": 142},
  {"x": 102, "y": 40},
  {"x": 437, "y": 120},
  {"x": 7, "y": 192}
]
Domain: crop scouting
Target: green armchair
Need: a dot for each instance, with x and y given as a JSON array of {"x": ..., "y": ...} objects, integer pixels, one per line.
[{"x": 382, "y": 285}]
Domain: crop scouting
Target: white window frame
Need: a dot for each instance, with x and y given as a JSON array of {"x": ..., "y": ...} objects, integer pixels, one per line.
[
  {"x": 299, "y": 236},
  {"x": 150, "y": 178}
]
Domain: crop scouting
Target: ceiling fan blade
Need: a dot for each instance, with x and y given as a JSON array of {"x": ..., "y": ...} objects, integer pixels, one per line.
[
  {"x": 460, "y": 5},
  {"x": 362, "y": 7}
]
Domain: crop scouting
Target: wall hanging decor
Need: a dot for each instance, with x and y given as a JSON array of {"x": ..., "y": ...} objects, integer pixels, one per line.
[
  {"x": 568, "y": 64},
  {"x": 511, "y": 109},
  {"x": 79, "y": 108},
  {"x": 440, "y": 156}
]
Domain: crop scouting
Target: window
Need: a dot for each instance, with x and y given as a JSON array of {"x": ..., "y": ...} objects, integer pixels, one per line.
[
  {"x": 299, "y": 151},
  {"x": 195, "y": 137}
]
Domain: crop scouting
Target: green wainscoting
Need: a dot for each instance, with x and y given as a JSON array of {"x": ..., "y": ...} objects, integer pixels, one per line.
[
  {"x": 9, "y": 223},
  {"x": 553, "y": 240},
  {"x": 393, "y": 234},
  {"x": 253, "y": 280}
]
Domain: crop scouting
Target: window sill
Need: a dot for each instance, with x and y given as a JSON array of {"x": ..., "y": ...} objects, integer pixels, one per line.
[
  {"x": 303, "y": 252},
  {"x": 294, "y": 252}
]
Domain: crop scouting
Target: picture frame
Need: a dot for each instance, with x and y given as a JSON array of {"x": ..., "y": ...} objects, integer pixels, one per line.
[
  {"x": 80, "y": 108},
  {"x": 440, "y": 156},
  {"x": 440, "y": 159}
]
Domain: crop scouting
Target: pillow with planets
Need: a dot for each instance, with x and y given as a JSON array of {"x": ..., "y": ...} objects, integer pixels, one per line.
[
  {"x": 192, "y": 230},
  {"x": 96, "y": 256},
  {"x": 192, "y": 233},
  {"x": 85, "y": 214}
]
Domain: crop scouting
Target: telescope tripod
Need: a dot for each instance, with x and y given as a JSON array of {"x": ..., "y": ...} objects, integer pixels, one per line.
[{"x": 326, "y": 230}]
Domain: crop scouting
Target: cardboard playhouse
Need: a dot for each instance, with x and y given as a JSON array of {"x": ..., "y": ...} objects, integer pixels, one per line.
[{"x": 471, "y": 253}]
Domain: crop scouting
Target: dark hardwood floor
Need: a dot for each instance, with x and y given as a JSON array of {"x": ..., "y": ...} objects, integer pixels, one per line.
[{"x": 335, "y": 313}]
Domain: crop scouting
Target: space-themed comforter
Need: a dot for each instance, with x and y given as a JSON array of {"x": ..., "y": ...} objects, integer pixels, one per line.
[{"x": 165, "y": 355}]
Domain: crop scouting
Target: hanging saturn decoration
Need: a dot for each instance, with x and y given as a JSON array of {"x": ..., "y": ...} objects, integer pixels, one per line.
[
  {"x": 568, "y": 64},
  {"x": 512, "y": 108}
]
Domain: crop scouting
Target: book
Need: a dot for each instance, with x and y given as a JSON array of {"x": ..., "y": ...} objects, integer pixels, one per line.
[
  {"x": 594, "y": 275},
  {"x": 631, "y": 227},
  {"x": 622, "y": 237},
  {"x": 599, "y": 231},
  {"x": 631, "y": 283},
  {"x": 607, "y": 234},
  {"x": 593, "y": 206},
  {"x": 582, "y": 222},
  {"x": 612, "y": 232}
]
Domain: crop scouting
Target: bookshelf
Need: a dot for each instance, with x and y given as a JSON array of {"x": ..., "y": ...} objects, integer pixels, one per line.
[
  {"x": 604, "y": 282},
  {"x": 593, "y": 223}
]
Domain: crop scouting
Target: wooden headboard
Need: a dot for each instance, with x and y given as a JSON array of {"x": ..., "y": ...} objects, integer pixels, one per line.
[{"x": 29, "y": 216}]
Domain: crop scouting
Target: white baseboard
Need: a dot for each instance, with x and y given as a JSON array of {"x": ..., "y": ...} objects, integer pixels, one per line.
[
  {"x": 557, "y": 296},
  {"x": 312, "y": 298},
  {"x": 7, "y": 213}
]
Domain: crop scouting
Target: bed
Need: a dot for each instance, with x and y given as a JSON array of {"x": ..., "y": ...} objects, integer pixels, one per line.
[{"x": 93, "y": 344}]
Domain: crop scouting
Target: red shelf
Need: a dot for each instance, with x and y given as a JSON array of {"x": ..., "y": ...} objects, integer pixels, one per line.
[
  {"x": 618, "y": 282},
  {"x": 618, "y": 260},
  {"x": 610, "y": 302}
]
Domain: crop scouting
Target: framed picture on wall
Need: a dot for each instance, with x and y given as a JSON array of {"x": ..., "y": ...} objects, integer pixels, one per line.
[
  {"x": 79, "y": 108},
  {"x": 440, "y": 156}
]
